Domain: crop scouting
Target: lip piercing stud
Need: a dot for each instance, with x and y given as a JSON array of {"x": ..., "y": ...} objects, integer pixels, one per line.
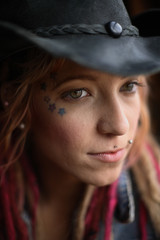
[
  {"x": 130, "y": 141},
  {"x": 115, "y": 146}
]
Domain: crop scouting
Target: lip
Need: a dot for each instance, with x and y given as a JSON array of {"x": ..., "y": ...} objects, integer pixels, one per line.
[{"x": 109, "y": 156}]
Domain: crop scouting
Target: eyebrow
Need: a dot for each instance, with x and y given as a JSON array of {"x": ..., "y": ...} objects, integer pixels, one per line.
[
  {"x": 91, "y": 77},
  {"x": 73, "y": 77},
  {"x": 85, "y": 77}
]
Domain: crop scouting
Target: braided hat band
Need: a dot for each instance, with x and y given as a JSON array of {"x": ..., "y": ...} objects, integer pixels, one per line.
[
  {"x": 81, "y": 29},
  {"x": 94, "y": 34}
]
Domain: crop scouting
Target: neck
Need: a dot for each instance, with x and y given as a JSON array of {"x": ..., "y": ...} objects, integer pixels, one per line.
[
  {"x": 56, "y": 186},
  {"x": 60, "y": 195}
]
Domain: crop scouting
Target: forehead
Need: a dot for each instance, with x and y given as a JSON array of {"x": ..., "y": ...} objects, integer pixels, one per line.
[
  {"x": 68, "y": 67},
  {"x": 70, "y": 70}
]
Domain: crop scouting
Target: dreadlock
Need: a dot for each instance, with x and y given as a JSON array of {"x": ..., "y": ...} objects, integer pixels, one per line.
[{"x": 20, "y": 75}]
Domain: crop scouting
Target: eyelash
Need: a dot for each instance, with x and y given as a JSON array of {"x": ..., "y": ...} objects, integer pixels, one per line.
[
  {"x": 134, "y": 84},
  {"x": 67, "y": 95}
]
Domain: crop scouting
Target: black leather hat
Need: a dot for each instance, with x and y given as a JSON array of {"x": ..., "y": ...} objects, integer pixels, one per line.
[{"x": 94, "y": 33}]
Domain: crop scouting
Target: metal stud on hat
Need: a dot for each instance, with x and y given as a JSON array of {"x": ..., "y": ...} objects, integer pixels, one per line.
[{"x": 114, "y": 29}]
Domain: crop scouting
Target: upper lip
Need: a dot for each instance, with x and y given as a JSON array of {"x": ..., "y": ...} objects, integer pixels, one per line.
[{"x": 106, "y": 152}]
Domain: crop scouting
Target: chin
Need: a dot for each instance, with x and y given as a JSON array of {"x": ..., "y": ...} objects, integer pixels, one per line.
[
  {"x": 105, "y": 179},
  {"x": 105, "y": 183}
]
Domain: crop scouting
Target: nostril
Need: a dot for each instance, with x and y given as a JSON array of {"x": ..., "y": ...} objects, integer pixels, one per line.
[{"x": 112, "y": 127}]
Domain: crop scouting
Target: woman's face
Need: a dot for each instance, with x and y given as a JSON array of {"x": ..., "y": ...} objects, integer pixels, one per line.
[{"x": 83, "y": 121}]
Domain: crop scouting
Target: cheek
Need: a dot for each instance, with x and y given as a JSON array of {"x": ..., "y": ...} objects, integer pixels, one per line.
[
  {"x": 70, "y": 132},
  {"x": 133, "y": 116},
  {"x": 66, "y": 131},
  {"x": 56, "y": 133}
]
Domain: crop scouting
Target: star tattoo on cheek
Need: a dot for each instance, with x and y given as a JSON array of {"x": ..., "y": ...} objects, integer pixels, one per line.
[
  {"x": 61, "y": 111},
  {"x": 47, "y": 99},
  {"x": 52, "y": 107}
]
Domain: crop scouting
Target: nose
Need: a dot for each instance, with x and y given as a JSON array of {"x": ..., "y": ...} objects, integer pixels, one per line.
[{"x": 113, "y": 119}]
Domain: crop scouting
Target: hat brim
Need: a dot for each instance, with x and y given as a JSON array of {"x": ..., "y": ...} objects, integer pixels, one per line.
[{"x": 121, "y": 56}]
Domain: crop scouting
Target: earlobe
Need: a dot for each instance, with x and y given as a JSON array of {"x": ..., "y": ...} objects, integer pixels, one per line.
[
  {"x": 5, "y": 95},
  {"x": 6, "y": 104},
  {"x": 4, "y": 101}
]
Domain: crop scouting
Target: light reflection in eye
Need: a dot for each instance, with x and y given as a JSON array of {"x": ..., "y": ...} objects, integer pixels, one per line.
[
  {"x": 130, "y": 86},
  {"x": 76, "y": 94}
]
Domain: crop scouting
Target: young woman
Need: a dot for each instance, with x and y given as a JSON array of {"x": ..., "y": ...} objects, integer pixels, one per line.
[{"x": 77, "y": 158}]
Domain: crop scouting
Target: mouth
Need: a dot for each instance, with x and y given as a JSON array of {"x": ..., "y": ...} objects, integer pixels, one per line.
[{"x": 109, "y": 156}]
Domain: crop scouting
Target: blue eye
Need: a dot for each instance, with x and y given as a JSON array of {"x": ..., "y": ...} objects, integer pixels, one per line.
[{"x": 75, "y": 94}]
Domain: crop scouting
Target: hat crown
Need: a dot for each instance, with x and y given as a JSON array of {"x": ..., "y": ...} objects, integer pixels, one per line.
[{"x": 42, "y": 13}]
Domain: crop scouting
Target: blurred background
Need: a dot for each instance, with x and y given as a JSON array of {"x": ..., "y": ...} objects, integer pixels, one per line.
[
  {"x": 135, "y": 7},
  {"x": 138, "y": 6}
]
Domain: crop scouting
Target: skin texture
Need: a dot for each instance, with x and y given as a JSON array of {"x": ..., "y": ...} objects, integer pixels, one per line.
[
  {"x": 83, "y": 112},
  {"x": 78, "y": 115}
]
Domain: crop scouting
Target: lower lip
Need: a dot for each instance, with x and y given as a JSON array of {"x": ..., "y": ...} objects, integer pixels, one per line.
[{"x": 110, "y": 157}]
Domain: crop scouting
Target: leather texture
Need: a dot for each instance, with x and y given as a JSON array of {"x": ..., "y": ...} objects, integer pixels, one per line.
[
  {"x": 125, "y": 55},
  {"x": 34, "y": 13}
]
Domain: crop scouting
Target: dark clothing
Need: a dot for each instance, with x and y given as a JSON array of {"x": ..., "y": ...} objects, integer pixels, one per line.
[{"x": 124, "y": 227}]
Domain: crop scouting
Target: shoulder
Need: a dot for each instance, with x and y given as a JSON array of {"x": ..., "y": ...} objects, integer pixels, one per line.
[{"x": 146, "y": 178}]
